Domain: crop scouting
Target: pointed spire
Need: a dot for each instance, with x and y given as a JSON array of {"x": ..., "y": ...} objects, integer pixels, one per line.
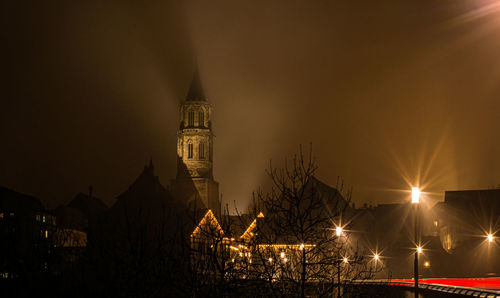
[
  {"x": 149, "y": 168},
  {"x": 195, "y": 92}
]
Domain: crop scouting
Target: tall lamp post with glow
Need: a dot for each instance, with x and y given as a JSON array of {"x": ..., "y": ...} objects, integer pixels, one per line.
[
  {"x": 338, "y": 233},
  {"x": 415, "y": 200}
]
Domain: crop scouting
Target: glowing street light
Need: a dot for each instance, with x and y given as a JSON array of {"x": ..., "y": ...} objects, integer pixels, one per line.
[
  {"x": 338, "y": 231},
  {"x": 415, "y": 195},
  {"x": 490, "y": 238},
  {"x": 346, "y": 260},
  {"x": 415, "y": 199},
  {"x": 376, "y": 257}
]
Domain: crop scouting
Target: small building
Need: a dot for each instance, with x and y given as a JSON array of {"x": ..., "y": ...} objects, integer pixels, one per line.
[{"x": 25, "y": 232}]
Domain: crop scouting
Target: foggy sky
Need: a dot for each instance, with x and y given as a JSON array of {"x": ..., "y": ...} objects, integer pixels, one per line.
[{"x": 390, "y": 93}]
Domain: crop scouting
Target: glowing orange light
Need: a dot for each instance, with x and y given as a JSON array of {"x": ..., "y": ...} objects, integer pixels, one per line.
[
  {"x": 419, "y": 249},
  {"x": 346, "y": 260},
  {"x": 376, "y": 257},
  {"x": 490, "y": 238},
  {"x": 427, "y": 264},
  {"x": 415, "y": 195},
  {"x": 338, "y": 231}
]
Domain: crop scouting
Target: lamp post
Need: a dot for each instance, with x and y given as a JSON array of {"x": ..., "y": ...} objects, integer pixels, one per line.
[
  {"x": 376, "y": 258},
  {"x": 338, "y": 233},
  {"x": 415, "y": 199}
]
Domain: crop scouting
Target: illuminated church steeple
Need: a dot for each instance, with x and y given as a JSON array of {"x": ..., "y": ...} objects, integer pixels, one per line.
[{"x": 194, "y": 183}]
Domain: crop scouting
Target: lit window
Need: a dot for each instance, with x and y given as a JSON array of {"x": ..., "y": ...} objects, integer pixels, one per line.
[
  {"x": 43, "y": 218},
  {"x": 201, "y": 119},
  {"x": 436, "y": 223},
  {"x": 38, "y": 217},
  {"x": 191, "y": 118},
  {"x": 46, "y": 234},
  {"x": 12, "y": 214},
  {"x": 201, "y": 150},
  {"x": 1, "y": 215},
  {"x": 190, "y": 150}
]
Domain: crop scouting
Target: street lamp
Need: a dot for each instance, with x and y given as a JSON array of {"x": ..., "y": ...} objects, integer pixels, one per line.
[
  {"x": 376, "y": 257},
  {"x": 338, "y": 231},
  {"x": 490, "y": 238},
  {"x": 415, "y": 195},
  {"x": 415, "y": 199}
]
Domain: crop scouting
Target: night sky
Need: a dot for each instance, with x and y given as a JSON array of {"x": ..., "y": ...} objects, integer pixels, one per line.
[{"x": 390, "y": 93}]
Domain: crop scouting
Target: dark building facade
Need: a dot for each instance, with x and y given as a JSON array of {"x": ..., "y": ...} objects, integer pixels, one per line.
[{"x": 25, "y": 232}]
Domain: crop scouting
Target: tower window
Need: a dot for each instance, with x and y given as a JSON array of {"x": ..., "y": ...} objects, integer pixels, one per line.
[
  {"x": 201, "y": 150},
  {"x": 201, "y": 119},
  {"x": 190, "y": 150},
  {"x": 191, "y": 118}
]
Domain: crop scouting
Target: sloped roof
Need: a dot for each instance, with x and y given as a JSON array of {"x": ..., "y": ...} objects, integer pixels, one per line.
[
  {"x": 16, "y": 200},
  {"x": 208, "y": 226},
  {"x": 146, "y": 199},
  {"x": 195, "y": 92},
  {"x": 88, "y": 205}
]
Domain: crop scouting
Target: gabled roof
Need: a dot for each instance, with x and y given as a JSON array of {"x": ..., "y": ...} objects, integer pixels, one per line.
[
  {"x": 195, "y": 92},
  {"x": 87, "y": 204},
  {"x": 146, "y": 182},
  {"x": 208, "y": 226},
  {"x": 13, "y": 200},
  {"x": 251, "y": 230}
]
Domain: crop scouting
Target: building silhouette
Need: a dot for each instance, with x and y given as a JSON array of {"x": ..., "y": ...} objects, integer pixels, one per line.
[
  {"x": 194, "y": 183},
  {"x": 26, "y": 228}
]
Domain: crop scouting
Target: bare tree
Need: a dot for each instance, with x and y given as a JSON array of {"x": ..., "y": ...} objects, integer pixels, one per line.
[{"x": 294, "y": 244}]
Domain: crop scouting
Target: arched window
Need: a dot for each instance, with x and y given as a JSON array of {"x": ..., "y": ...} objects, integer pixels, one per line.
[
  {"x": 201, "y": 150},
  {"x": 201, "y": 118},
  {"x": 191, "y": 118},
  {"x": 190, "y": 150}
]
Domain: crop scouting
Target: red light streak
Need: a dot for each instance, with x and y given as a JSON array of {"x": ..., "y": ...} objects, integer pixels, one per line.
[{"x": 480, "y": 283}]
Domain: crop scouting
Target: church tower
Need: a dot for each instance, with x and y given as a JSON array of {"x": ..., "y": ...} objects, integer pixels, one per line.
[{"x": 194, "y": 183}]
